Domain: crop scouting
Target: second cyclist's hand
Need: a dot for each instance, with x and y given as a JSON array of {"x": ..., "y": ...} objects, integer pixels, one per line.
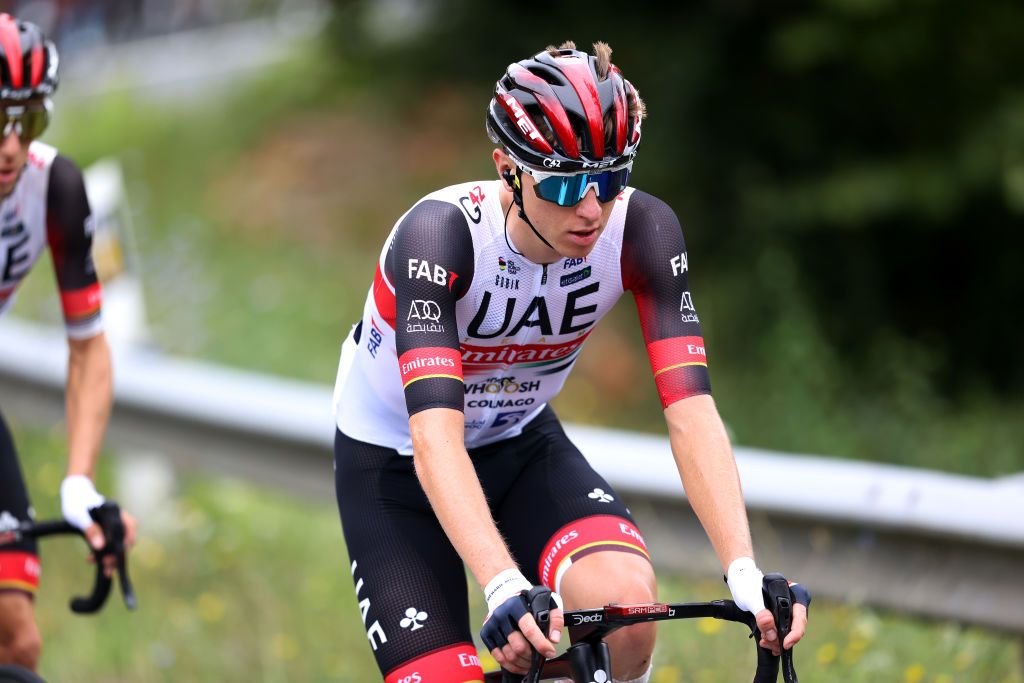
[{"x": 94, "y": 534}]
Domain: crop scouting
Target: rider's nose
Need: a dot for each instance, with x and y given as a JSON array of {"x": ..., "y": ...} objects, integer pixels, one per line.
[{"x": 589, "y": 208}]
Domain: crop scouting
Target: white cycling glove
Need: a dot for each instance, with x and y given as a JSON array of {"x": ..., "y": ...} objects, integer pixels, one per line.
[
  {"x": 77, "y": 497},
  {"x": 503, "y": 586},
  {"x": 745, "y": 583},
  {"x": 509, "y": 583}
]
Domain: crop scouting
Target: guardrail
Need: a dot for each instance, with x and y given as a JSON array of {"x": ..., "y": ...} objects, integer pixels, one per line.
[{"x": 930, "y": 543}]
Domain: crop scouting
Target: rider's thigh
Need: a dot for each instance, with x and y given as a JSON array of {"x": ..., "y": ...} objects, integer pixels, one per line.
[
  {"x": 606, "y": 577},
  {"x": 409, "y": 581},
  {"x": 20, "y": 642},
  {"x": 14, "y": 505}
]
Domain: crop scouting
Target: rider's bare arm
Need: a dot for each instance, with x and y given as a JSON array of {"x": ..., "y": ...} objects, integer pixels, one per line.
[
  {"x": 88, "y": 396},
  {"x": 708, "y": 470},
  {"x": 451, "y": 484}
]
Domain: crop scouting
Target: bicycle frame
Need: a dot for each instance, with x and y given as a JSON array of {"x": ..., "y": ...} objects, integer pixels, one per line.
[{"x": 588, "y": 653}]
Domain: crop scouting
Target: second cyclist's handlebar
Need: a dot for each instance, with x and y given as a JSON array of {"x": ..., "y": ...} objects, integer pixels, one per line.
[{"x": 108, "y": 516}]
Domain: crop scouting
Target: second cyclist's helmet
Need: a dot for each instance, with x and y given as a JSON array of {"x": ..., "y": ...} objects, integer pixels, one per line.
[
  {"x": 566, "y": 111},
  {"x": 28, "y": 61}
]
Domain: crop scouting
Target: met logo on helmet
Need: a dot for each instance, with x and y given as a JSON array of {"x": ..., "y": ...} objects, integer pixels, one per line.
[{"x": 523, "y": 121}]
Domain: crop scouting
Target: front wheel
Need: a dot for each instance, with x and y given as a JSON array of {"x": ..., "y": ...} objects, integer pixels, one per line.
[{"x": 16, "y": 674}]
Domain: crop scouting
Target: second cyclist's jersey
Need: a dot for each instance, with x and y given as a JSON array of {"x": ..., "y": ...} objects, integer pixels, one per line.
[
  {"x": 458, "y": 318},
  {"x": 48, "y": 207}
]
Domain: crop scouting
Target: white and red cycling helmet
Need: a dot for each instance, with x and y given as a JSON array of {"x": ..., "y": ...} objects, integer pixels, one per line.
[
  {"x": 565, "y": 111},
  {"x": 28, "y": 60}
]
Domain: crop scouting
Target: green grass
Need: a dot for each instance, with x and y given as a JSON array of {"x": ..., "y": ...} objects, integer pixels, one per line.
[{"x": 249, "y": 585}]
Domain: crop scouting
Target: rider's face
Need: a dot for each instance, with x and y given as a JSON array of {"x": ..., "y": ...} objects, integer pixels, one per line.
[
  {"x": 13, "y": 155},
  {"x": 571, "y": 230}
]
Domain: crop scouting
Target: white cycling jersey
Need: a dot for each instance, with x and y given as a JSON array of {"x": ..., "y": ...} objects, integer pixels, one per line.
[
  {"x": 48, "y": 206},
  {"x": 453, "y": 304}
]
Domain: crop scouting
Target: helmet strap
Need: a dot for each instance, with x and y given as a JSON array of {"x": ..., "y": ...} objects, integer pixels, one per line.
[{"x": 517, "y": 197}]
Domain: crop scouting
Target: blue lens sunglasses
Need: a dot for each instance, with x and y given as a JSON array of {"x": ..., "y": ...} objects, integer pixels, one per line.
[{"x": 569, "y": 190}]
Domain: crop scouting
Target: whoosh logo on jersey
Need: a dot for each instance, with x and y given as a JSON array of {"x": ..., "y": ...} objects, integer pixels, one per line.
[{"x": 502, "y": 385}]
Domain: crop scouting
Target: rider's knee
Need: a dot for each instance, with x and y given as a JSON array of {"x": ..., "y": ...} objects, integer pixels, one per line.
[
  {"x": 614, "y": 577},
  {"x": 631, "y": 650},
  {"x": 624, "y": 579}
]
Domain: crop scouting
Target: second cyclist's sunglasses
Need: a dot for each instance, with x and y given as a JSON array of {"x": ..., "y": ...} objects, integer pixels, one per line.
[
  {"x": 569, "y": 190},
  {"x": 27, "y": 120}
]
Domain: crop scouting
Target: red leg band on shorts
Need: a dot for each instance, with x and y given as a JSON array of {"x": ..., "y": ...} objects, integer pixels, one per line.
[
  {"x": 20, "y": 571},
  {"x": 454, "y": 664},
  {"x": 584, "y": 536}
]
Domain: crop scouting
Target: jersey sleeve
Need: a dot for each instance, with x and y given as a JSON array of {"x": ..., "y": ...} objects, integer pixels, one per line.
[
  {"x": 431, "y": 268},
  {"x": 654, "y": 269},
  {"x": 69, "y": 228}
]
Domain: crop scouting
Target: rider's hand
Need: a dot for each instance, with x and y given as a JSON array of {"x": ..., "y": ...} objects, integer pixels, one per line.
[
  {"x": 510, "y": 631},
  {"x": 78, "y": 495},
  {"x": 745, "y": 582},
  {"x": 801, "y": 603}
]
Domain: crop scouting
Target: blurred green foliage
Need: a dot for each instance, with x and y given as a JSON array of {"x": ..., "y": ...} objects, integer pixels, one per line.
[{"x": 848, "y": 175}]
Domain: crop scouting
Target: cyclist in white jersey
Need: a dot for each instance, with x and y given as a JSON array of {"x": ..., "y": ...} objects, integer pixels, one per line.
[
  {"x": 44, "y": 204},
  {"x": 483, "y": 297}
]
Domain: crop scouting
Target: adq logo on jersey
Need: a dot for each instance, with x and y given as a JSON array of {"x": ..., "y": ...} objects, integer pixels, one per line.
[
  {"x": 471, "y": 204},
  {"x": 427, "y": 314}
]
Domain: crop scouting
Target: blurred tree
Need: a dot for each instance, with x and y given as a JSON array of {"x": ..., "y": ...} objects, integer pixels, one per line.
[{"x": 861, "y": 158}]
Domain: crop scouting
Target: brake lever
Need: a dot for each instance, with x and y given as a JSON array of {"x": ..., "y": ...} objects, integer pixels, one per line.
[
  {"x": 779, "y": 600},
  {"x": 538, "y": 602},
  {"x": 108, "y": 516}
]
